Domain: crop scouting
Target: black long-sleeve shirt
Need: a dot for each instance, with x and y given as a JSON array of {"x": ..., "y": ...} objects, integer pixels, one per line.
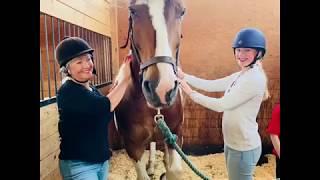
[{"x": 83, "y": 123}]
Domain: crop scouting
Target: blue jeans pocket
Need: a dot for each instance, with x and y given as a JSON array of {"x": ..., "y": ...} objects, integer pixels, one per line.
[
  {"x": 80, "y": 170},
  {"x": 248, "y": 162}
]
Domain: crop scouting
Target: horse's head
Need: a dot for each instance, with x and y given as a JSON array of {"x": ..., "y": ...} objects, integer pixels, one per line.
[{"x": 155, "y": 33}]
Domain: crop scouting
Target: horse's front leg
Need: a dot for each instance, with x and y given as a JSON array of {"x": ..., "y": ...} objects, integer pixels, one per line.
[
  {"x": 135, "y": 146},
  {"x": 135, "y": 152},
  {"x": 173, "y": 164}
]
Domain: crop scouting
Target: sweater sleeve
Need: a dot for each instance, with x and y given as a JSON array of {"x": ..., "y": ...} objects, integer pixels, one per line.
[
  {"x": 239, "y": 95},
  {"x": 217, "y": 85}
]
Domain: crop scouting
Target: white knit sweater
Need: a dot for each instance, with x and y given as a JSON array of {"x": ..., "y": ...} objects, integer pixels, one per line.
[{"x": 240, "y": 104}]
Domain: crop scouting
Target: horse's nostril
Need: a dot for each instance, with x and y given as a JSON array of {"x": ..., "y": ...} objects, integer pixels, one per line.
[
  {"x": 147, "y": 86},
  {"x": 172, "y": 93},
  {"x": 176, "y": 83}
]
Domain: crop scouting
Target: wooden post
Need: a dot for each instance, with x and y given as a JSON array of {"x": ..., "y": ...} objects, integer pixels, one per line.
[{"x": 152, "y": 158}]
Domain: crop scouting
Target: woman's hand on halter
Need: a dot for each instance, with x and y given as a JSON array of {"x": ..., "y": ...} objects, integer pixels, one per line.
[
  {"x": 180, "y": 73},
  {"x": 185, "y": 87}
]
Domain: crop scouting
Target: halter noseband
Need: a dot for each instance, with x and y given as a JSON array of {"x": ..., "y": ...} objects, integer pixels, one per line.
[{"x": 159, "y": 59}]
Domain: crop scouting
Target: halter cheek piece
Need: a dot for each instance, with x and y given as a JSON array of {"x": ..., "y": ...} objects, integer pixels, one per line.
[{"x": 153, "y": 60}]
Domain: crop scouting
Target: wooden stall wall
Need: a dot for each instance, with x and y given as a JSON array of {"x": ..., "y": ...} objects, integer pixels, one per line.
[{"x": 98, "y": 16}]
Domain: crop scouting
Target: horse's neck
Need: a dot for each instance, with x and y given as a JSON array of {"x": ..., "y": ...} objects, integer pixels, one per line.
[{"x": 134, "y": 89}]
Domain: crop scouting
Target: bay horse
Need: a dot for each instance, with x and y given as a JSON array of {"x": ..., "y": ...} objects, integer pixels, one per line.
[{"x": 154, "y": 34}]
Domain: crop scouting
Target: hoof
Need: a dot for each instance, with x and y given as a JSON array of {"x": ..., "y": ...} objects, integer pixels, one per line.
[{"x": 163, "y": 176}]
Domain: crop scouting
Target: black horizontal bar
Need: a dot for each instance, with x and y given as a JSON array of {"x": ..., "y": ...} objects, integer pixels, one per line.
[
  {"x": 54, "y": 99},
  {"x": 47, "y": 101},
  {"x": 103, "y": 84}
]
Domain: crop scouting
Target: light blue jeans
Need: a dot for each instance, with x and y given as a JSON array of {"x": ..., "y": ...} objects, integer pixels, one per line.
[
  {"x": 80, "y": 170},
  {"x": 241, "y": 164}
]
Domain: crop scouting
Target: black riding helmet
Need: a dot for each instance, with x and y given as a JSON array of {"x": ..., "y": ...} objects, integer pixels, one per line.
[
  {"x": 71, "y": 47},
  {"x": 250, "y": 38}
]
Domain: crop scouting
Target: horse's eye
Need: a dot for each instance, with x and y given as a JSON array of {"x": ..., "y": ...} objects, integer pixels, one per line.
[
  {"x": 133, "y": 12},
  {"x": 183, "y": 12},
  {"x": 180, "y": 12}
]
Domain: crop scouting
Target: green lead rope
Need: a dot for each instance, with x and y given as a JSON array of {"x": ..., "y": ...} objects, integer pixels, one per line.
[{"x": 171, "y": 139}]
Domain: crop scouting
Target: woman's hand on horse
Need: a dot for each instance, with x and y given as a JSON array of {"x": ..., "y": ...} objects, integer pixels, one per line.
[
  {"x": 180, "y": 73},
  {"x": 185, "y": 87},
  {"x": 124, "y": 74},
  {"x": 127, "y": 70}
]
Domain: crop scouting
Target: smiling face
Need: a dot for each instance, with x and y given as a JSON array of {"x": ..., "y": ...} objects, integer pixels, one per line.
[
  {"x": 245, "y": 56},
  {"x": 156, "y": 28},
  {"x": 80, "y": 68}
]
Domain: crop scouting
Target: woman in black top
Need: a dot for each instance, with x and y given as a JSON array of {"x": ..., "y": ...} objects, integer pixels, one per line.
[{"x": 84, "y": 113}]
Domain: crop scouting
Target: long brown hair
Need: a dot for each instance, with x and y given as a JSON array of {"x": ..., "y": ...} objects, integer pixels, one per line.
[{"x": 266, "y": 94}]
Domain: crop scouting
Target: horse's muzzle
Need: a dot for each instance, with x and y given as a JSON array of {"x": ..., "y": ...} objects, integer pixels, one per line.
[{"x": 149, "y": 91}]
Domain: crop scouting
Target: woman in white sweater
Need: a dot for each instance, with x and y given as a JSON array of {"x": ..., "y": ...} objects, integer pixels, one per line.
[{"x": 244, "y": 92}]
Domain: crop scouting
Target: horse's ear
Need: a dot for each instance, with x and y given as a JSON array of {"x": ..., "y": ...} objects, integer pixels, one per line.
[
  {"x": 65, "y": 37},
  {"x": 128, "y": 34}
]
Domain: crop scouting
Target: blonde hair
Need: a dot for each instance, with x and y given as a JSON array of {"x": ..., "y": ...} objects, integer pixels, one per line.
[
  {"x": 266, "y": 94},
  {"x": 64, "y": 73}
]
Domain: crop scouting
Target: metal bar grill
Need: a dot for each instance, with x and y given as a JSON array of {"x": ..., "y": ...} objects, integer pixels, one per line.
[
  {"x": 110, "y": 58},
  {"x": 64, "y": 28},
  {"x": 82, "y": 34},
  {"x": 54, "y": 55},
  {"x": 49, "y": 76},
  {"x": 105, "y": 44},
  {"x": 103, "y": 74},
  {"x": 41, "y": 81},
  {"x": 69, "y": 27},
  {"x": 89, "y": 40},
  {"x": 106, "y": 55},
  {"x": 98, "y": 58},
  {"x": 47, "y": 53},
  {"x": 59, "y": 39},
  {"x": 74, "y": 30}
]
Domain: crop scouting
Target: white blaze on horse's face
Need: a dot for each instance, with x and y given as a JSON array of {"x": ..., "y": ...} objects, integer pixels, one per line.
[
  {"x": 156, "y": 11},
  {"x": 167, "y": 77}
]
